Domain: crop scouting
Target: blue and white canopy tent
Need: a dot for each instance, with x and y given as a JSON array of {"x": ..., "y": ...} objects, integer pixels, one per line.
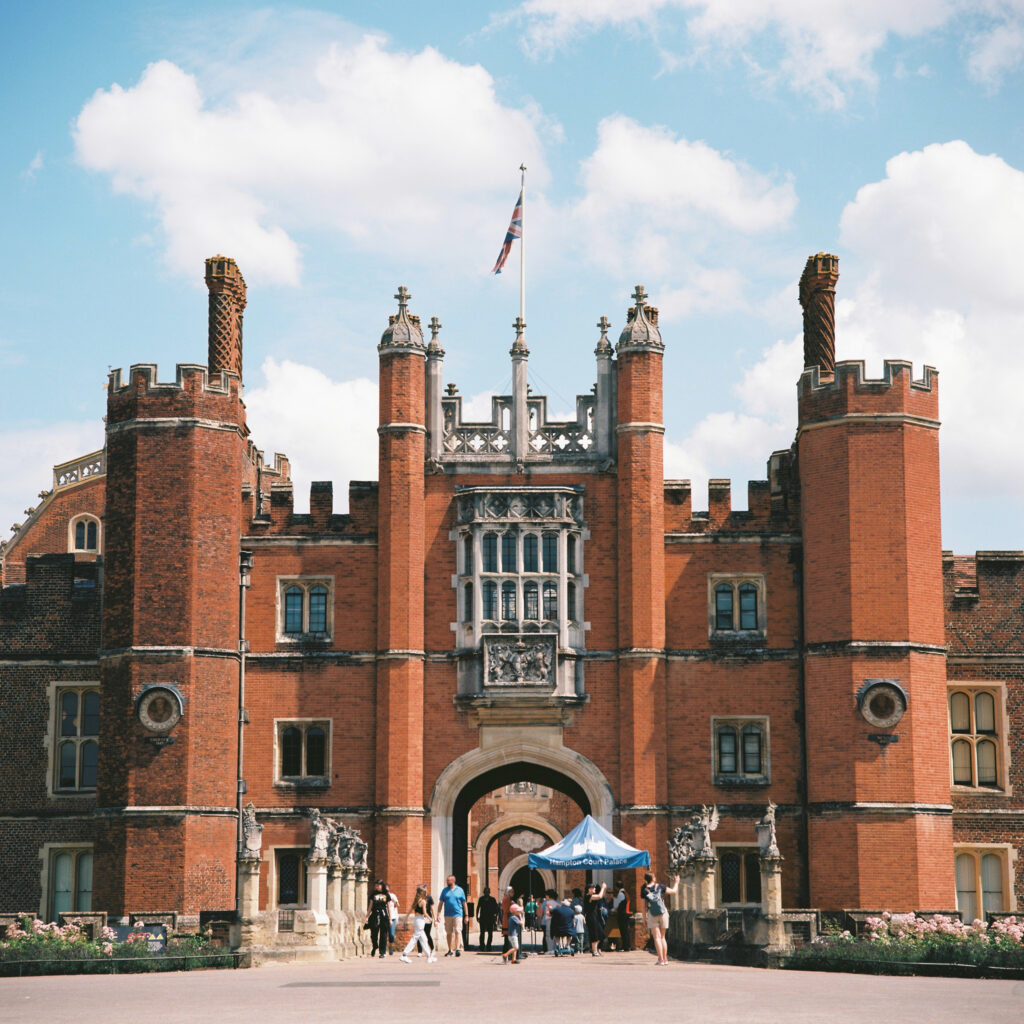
[{"x": 590, "y": 845}]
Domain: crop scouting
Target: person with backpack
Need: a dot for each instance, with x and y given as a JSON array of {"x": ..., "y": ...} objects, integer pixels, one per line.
[{"x": 654, "y": 893}]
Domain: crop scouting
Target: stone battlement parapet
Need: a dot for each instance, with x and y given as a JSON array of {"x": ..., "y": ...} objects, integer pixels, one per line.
[
  {"x": 761, "y": 514},
  {"x": 850, "y": 392},
  {"x": 194, "y": 393}
]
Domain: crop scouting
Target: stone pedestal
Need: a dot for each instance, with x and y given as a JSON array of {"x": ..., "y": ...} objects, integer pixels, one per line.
[
  {"x": 316, "y": 886},
  {"x": 771, "y": 901},
  {"x": 348, "y": 888},
  {"x": 248, "y": 890},
  {"x": 362, "y": 891},
  {"x": 704, "y": 883},
  {"x": 334, "y": 886}
]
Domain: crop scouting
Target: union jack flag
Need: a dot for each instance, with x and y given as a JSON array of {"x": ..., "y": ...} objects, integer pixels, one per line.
[{"x": 515, "y": 230}]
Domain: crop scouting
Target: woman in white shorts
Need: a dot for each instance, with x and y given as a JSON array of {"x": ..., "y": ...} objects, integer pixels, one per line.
[{"x": 654, "y": 893}]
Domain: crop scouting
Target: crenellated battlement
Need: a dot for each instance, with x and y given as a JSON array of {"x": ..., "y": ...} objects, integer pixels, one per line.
[
  {"x": 720, "y": 517},
  {"x": 194, "y": 393},
  {"x": 279, "y": 518},
  {"x": 851, "y": 393}
]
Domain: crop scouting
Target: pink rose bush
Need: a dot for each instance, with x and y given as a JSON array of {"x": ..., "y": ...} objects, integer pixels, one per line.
[{"x": 894, "y": 943}]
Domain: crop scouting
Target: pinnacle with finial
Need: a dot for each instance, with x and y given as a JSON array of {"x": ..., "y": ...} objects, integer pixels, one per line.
[
  {"x": 403, "y": 296},
  {"x": 603, "y": 345},
  {"x": 639, "y": 296},
  {"x": 519, "y": 345},
  {"x": 435, "y": 326}
]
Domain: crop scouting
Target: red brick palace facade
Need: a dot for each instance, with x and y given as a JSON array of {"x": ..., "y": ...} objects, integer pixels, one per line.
[{"x": 517, "y": 608}]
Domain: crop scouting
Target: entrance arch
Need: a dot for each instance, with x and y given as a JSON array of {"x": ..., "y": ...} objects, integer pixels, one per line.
[
  {"x": 506, "y": 823},
  {"x": 479, "y": 771}
]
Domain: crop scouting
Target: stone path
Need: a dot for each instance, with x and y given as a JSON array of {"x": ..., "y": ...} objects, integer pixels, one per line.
[{"x": 614, "y": 988}]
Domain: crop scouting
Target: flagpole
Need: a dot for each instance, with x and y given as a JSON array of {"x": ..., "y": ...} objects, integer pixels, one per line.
[{"x": 522, "y": 246}]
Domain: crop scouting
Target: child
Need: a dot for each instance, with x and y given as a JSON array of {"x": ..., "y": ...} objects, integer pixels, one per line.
[
  {"x": 579, "y": 926},
  {"x": 515, "y": 929}
]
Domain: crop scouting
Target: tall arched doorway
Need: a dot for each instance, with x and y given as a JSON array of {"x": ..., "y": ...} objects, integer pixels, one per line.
[{"x": 487, "y": 768}]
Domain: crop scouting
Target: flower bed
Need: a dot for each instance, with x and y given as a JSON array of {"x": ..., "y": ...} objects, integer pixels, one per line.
[
  {"x": 38, "y": 947},
  {"x": 908, "y": 944}
]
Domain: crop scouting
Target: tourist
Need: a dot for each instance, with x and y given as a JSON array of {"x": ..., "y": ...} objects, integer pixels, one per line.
[
  {"x": 595, "y": 920},
  {"x": 579, "y": 928},
  {"x": 515, "y": 930},
  {"x": 378, "y": 918},
  {"x": 654, "y": 893},
  {"x": 562, "y": 927},
  {"x": 392, "y": 922},
  {"x": 547, "y": 906},
  {"x": 419, "y": 934},
  {"x": 452, "y": 902},
  {"x": 621, "y": 907},
  {"x": 506, "y": 902},
  {"x": 429, "y": 926},
  {"x": 487, "y": 911}
]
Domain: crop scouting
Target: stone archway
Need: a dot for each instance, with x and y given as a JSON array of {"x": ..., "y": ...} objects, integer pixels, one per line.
[
  {"x": 504, "y": 823},
  {"x": 523, "y": 861},
  {"x": 488, "y": 765}
]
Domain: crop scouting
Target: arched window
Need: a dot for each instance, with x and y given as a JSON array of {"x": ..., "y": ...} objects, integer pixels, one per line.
[
  {"x": 508, "y": 601},
  {"x": 981, "y": 877},
  {"x": 723, "y": 607},
  {"x": 550, "y": 601},
  {"x": 70, "y": 882},
  {"x": 318, "y": 610},
  {"x": 467, "y": 602},
  {"x": 467, "y": 554},
  {"x": 316, "y": 749},
  {"x": 490, "y": 552},
  {"x": 984, "y": 713},
  {"x": 85, "y": 534},
  {"x": 975, "y": 716},
  {"x": 570, "y": 600},
  {"x": 291, "y": 752},
  {"x": 530, "y": 553},
  {"x": 303, "y": 752},
  {"x": 959, "y": 712},
  {"x": 293, "y": 601},
  {"x": 490, "y": 595},
  {"x": 76, "y": 756},
  {"x": 748, "y": 606},
  {"x": 508, "y": 552},
  {"x": 986, "y": 754},
  {"x": 570, "y": 556},
  {"x": 531, "y": 605},
  {"x": 751, "y": 750},
  {"x": 962, "y": 774},
  {"x": 727, "y": 763}
]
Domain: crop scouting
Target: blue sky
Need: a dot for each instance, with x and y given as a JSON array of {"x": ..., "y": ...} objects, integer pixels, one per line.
[{"x": 702, "y": 147}]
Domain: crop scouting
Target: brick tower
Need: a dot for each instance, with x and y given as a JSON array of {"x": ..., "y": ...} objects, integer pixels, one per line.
[
  {"x": 641, "y": 577},
  {"x": 169, "y": 668},
  {"x": 399, "y": 851},
  {"x": 880, "y": 826}
]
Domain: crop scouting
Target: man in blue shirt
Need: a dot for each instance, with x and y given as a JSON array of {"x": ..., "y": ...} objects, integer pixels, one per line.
[{"x": 453, "y": 901}]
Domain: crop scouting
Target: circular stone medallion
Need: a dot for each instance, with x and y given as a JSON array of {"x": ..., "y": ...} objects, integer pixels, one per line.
[
  {"x": 159, "y": 709},
  {"x": 883, "y": 705}
]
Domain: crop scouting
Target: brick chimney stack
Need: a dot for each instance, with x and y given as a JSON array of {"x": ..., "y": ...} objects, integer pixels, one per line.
[
  {"x": 227, "y": 303},
  {"x": 818, "y": 299}
]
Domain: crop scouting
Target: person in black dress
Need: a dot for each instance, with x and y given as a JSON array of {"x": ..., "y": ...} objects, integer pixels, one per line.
[
  {"x": 378, "y": 917},
  {"x": 595, "y": 919}
]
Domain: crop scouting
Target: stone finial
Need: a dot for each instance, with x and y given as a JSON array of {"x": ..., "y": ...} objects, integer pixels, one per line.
[
  {"x": 519, "y": 345},
  {"x": 818, "y": 299},
  {"x": 434, "y": 348},
  {"x": 641, "y": 330},
  {"x": 403, "y": 330},
  {"x": 227, "y": 303},
  {"x": 604, "y": 347}
]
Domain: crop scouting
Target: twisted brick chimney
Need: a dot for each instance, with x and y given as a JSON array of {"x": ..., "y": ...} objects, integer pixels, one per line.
[
  {"x": 818, "y": 299},
  {"x": 227, "y": 303}
]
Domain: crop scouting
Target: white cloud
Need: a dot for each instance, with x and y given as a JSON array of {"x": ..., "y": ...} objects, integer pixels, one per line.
[
  {"x": 327, "y": 428},
  {"x": 653, "y": 201},
  {"x": 822, "y": 47},
  {"x": 929, "y": 274},
  {"x": 34, "y": 167},
  {"x": 386, "y": 148}
]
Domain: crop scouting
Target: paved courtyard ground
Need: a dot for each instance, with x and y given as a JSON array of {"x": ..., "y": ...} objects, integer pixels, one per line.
[{"x": 619, "y": 988}]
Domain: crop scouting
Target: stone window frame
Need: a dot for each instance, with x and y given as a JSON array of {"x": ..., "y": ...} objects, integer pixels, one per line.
[
  {"x": 48, "y": 854},
  {"x": 1000, "y": 738},
  {"x": 85, "y": 518},
  {"x": 745, "y": 850},
  {"x": 274, "y": 877},
  {"x": 1007, "y": 854},
  {"x": 736, "y": 580},
  {"x": 306, "y": 583},
  {"x": 305, "y": 780},
  {"x": 54, "y": 741},
  {"x": 739, "y": 723}
]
